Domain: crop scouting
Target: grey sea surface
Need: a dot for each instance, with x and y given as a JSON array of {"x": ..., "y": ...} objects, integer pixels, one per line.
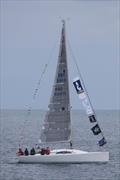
[{"x": 15, "y": 127}]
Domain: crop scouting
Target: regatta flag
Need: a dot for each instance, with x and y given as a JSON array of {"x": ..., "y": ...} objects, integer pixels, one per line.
[
  {"x": 92, "y": 118},
  {"x": 102, "y": 142},
  {"x": 96, "y": 129},
  {"x": 78, "y": 86},
  {"x": 83, "y": 96},
  {"x": 86, "y": 105}
]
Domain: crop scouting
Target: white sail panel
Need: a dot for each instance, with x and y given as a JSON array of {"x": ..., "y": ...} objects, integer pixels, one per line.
[{"x": 57, "y": 125}]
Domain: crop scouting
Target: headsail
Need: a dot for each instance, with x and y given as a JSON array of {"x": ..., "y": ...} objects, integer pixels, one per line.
[{"x": 57, "y": 126}]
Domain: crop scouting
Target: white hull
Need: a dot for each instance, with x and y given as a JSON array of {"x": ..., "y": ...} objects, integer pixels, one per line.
[{"x": 75, "y": 156}]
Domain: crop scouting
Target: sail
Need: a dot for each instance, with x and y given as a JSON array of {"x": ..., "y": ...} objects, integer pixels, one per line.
[{"x": 57, "y": 126}]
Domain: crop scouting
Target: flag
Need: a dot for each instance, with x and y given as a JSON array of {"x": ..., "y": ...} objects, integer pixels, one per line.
[
  {"x": 92, "y": 118},
  {"x": 82, "y": 95},
  {"x": 78, "y": 86},
  {"x": 102, "y": 142},
  {"x": 96, "y": 129},
  {"x": 86, "y": 104}
]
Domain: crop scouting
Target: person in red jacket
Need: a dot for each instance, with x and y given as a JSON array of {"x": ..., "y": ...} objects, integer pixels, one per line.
[
  {"x": 47, "y": 151},
  {"x": 20, "y": 152}
]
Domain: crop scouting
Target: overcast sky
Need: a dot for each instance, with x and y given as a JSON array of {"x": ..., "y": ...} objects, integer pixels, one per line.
[{"x": 30, "y": 36}]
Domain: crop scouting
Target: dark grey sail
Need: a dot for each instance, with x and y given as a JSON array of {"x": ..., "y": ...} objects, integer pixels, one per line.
[{"x": 57, "y": 126}]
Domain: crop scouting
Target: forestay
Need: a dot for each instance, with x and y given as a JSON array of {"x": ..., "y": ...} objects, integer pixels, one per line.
[{"x": 57, "y": 126}]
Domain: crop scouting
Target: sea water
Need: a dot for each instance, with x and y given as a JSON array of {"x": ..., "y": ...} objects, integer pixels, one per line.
[{"x": 16, "y": 127}]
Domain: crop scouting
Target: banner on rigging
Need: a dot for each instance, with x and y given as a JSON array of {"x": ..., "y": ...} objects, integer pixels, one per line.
[
  {"x": 102, "y": 142},
  {"x": 79, "y": 87},
  {"x": 92, "y": 118},
  {"x": 96, "y": 129},
  {"x": 83, "y": 96}
]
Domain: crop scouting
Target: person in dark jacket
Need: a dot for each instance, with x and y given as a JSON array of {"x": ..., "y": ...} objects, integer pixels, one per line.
[
  {"x": 71, "y": 145},
  {"x": 42, "y": 151},
  {"x": 32, "y": 152},
  {"x": 26, "y": 152}
]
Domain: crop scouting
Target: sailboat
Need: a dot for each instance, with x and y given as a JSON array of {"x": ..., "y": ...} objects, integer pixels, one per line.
[{"x": 57, "y": 123}]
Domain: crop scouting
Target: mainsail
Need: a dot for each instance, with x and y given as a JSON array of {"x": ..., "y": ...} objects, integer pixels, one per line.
[{"x": 57, "y": 126}]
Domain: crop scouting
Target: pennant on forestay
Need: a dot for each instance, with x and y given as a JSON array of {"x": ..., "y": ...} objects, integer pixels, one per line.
[
  {"x": 92, "y": 118},
  {"x": 83, "y": 96},
  {"x": 102, "y": 142},
  {"x": 78, "y": 86},
  {"x": 87, "y": 105},
  {"x": 96, "y": 129}
]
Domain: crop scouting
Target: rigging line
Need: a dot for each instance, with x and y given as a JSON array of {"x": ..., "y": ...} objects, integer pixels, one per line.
[
  {"x": 43, "y": 72},
  {"x": 77, "y": 67},
  {"x": 39, "y": 82},
  {"x": 36, "y": 92}
]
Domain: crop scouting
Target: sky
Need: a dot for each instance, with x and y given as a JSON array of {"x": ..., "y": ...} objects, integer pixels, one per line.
[{"x": 30, "y": 38}]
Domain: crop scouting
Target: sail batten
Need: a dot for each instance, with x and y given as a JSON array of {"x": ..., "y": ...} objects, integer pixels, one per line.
[{"x": 57, "y": 124}]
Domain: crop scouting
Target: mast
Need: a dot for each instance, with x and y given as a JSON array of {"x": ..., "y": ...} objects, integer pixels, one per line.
[{"x": 57, "y": 123}]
